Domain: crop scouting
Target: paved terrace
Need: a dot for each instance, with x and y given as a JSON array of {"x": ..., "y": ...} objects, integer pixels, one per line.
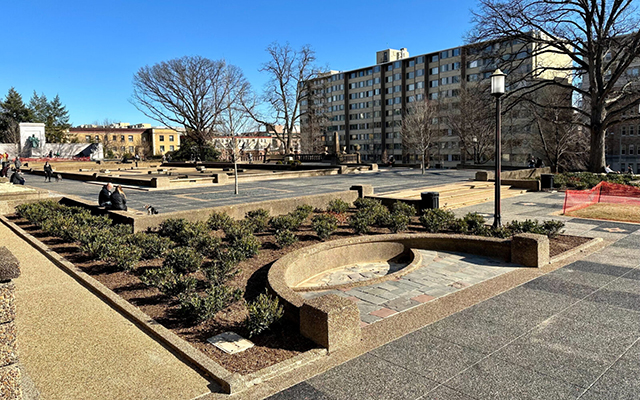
[
  {"x": 571, "y": 334},
  {"x": 201, "y": 197}
]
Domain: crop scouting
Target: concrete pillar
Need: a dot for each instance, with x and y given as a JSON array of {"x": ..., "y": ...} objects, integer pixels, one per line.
[
  {"x": 363, "y": 190},
  {"x": 10, "y": 375}
]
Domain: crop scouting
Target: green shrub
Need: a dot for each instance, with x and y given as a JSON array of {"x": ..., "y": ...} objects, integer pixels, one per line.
[
  {"x": 172, "y": 228},
  {"x": 338, "y": 206},
  {"x": 182, "y": 260},
  {"x": 168, "y": 282},
  {"x": 152, "y": 245},
  {"x": 475, "y": 224},
  {"x": 206, "y": 244},
  {"x": 124, "y": 257},
  {"x": 237, "y": 230},
  {"x": 203, "y": 308},
  {"x": 285, "y": 238},
  {"x": 553, "y": 228},
  {"x": 459, "y": 225},
  {"x": 324, "y": 225},
  {"x": 223, "y": 266},
  {"x": 437, "y": 220},
  {"x": 360, "y": 222},
  {"x": 364, "y": 202},
  {"x": 285, "y": 222},
  {"x": 247, "y": 245},
  {"x": 258, "y": 219},
  {"x": 263, "y": 312},
  {"x": 404, "y": 209},
  {"x": 302, "y": 212},
  {"x": 218, "y": 220},
  {"x": 398, "y": 221}
]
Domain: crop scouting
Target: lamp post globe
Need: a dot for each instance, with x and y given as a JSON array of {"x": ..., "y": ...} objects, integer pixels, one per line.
[{"x": 497, "y": 90}]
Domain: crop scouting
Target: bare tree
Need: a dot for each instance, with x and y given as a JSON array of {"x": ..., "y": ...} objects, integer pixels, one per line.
[
  {"x": 190, "y": 91},
  {"x": 474, "y": 122},
  {"x": 288, "y": 70},
  {"x": 559, "y": 138},
  {"x": 420, "y": 128},
  {"x": 235, "y": 120},
  {"x": 600, "y": 38}
]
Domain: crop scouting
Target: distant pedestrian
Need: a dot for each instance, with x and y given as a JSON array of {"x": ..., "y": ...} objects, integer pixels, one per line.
[
  {"x": 539, "y": 163},
  {"x": 532, "y": 162},
  {"x": 48, "y": 171},
  {"x": 17, "y": 178},
  {"x": 630, "y": 170},
  {"x": 5, "y": 170},
  {"x": 104, "y": 198},
  {"x": 164, "y": 158},
  {"x": 50, "y": 154},
  {"x": 118, "y": 199},
  {"x": 17, "y": 162}
]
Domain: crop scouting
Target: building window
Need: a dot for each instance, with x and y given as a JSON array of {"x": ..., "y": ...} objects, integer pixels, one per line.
[
  {"x": 97, "y": 137},
  {"x": 171, "y": 148},
  {"x": 420, "y": 60},
  {"x": 122, "y": 138},
  {"x": 411, "y": 75},
  {"x": 473, "y": 64},
  {"x": 162, "y": 149},
  {"x": 115, "y": 137},
  {"x": 87, "y": 139},
  {"x": 631, "y": 128},
  {"x": 162, "y": 138},
  {"x": 434, "y": 58},
  {"x": 630, "y": 150},
  {"x": 131, "y": 138},
  {"x": 624, "y": 130},
  {"x": 131, "y": 149}
]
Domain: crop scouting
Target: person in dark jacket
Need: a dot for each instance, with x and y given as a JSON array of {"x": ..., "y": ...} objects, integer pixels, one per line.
[
  {"x": 18, "y": 163},
  {"x": 48, "y": 171},
  {"x": 118, "y": 199},
  {"x": 104, "y": 198},
  {"x": 17, "y": 178}
]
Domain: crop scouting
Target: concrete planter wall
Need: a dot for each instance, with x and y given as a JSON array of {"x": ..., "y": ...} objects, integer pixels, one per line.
[{"x": 330, "y": 320}]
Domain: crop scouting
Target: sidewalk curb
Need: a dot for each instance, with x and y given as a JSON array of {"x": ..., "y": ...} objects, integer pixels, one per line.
[{"x": 230, "y": 382}]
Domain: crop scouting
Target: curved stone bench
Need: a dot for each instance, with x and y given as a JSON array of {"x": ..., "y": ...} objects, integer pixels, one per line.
[{"x": 333, "y": 321}]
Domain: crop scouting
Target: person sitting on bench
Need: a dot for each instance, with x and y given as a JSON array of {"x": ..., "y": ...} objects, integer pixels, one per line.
[{"x": 104, "y": 198}]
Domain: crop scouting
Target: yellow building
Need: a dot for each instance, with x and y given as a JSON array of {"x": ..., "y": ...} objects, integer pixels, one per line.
[
  {"x": 164, "y": 140},
  {"x": 116, "y": 141}
]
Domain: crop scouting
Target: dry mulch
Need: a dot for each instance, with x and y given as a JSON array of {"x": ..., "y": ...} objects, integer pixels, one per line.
[
  {"x": 609, "y": 211},
  {"x": 281, "y": 343}
]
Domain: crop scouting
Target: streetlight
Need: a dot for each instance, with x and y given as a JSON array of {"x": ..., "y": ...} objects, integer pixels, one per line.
[{"x": 497, "y": 90}]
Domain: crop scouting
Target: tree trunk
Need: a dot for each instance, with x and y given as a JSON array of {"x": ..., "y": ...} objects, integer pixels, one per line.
[
  {"x": 422, "y": 163},
  {"x": 596, "y": 150}
]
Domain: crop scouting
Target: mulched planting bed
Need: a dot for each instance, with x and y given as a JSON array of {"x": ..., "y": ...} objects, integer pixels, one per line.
[{"x": 278, "y": 344}]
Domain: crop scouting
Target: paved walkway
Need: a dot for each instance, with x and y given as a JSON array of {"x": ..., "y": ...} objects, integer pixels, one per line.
[
  {"x": 165, "y": 201},
  {"x": 571, "y": 334},
  {"x": 439, "y": 274},
  {"x": 74, "y": 346}
]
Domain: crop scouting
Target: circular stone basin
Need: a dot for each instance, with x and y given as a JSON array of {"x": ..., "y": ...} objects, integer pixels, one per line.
[{"x": 349, "y": 274}]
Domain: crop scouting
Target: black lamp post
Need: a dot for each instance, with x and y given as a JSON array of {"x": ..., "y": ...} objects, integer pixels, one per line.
[{"x": 497, "y": 90}]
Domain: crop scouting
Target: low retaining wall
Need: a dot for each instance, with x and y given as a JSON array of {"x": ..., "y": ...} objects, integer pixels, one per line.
[
  {"x": 530, "y": 173},
  {"x": 329, "y": 320}
]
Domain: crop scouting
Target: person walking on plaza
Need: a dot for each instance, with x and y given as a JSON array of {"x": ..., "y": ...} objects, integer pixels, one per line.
[
  {"x": 104, "y": 198},
  {"x": 17, "y": 178},
  {"x": 48, "y": 171},
  {"x": 118, "y": 199},
  {"x": 17, "y": 163}
]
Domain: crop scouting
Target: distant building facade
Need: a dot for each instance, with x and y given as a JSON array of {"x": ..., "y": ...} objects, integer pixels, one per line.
[{"x": 366, "y": 106}]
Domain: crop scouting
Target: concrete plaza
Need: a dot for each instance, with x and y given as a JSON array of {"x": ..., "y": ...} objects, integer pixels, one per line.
[{"x": 573, "y": 333}]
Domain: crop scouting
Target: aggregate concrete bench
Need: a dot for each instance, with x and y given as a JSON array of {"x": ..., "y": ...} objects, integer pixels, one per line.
[{"x": 330, "y": 322}]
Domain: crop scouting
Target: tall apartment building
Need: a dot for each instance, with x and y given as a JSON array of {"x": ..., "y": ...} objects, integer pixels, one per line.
[{"x": 366, "y": 106}]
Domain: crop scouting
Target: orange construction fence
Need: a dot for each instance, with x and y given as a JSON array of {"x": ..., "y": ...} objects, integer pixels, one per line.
[{"x": 603, "y": 192}]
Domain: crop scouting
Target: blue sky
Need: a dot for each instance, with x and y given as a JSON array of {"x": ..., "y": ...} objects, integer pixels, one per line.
[{"x": 88, "y": 51}]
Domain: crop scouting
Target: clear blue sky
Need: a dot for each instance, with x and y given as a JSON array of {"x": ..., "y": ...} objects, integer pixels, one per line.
[{"x": 88, "y": 51}]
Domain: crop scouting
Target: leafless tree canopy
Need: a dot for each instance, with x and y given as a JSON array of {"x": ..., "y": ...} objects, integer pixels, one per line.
[
  {"x": 559, "y": 139},
  {"x": 288, "y": 69},
  {"x": 420, "y": 128},
  {"x": 474, "y": 124},
  {"x": 601, "y": 38},
  {"x": 190, "y": 91}
]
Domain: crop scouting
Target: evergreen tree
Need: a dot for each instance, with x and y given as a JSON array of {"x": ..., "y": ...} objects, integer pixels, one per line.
[
  {"x": 39, "y": 106},
  {"x": 12, "y": 112},
  {"x": 57, "y": 123},
  {"x": 53, "y": 115}
]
